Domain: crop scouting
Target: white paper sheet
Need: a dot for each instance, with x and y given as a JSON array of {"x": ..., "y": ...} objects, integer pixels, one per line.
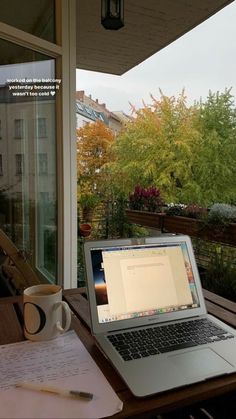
[{"x": 63, "y": 362}]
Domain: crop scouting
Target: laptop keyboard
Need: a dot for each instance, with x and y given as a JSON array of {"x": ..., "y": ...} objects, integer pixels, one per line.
[{"x": 154, "y": 340}]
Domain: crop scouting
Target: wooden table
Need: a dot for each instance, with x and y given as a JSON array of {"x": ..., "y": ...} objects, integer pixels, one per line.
[{"x": 179, "y": 402}]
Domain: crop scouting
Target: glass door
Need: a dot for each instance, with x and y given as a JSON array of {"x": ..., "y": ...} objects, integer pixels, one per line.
[{"x": 28, "y": 190}]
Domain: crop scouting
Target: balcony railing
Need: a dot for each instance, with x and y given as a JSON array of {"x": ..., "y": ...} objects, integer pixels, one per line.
[{"x": 183, "y": 225}]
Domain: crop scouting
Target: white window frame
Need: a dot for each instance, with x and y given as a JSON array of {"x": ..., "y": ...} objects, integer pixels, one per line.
[{"x": 66, "y": 159}]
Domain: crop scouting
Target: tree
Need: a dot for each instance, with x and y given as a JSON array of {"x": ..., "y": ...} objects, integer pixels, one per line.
[
  {"x": 94, "y": 142},
  {"x": 157, "y": 148},
  {"x": 189, "y": 152},
  {"x": 215, "y": 169}
]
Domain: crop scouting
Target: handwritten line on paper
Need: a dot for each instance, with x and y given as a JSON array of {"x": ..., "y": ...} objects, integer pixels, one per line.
[
  {"x": 40, "y": 362},
  {"x": 63, "y": 362}
]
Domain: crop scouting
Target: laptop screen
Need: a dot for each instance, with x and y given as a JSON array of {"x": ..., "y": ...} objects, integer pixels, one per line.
[{"x": 133, "y": 281}]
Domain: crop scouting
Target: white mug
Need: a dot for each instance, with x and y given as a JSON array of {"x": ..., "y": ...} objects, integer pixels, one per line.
[{"x": 43, "y": 312}]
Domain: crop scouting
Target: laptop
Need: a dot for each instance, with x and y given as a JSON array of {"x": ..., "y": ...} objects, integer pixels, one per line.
[{"x": 149, "y": 317}]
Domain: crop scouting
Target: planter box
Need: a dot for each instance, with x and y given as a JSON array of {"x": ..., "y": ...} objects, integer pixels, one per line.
[
  {"x": 183, "y": 225},
  {"x": 144, "y": 218},
  {"x": 196, "y": 228}
]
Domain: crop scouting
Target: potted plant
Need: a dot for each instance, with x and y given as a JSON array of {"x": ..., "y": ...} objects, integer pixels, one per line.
[
  {"x": 146, "y": 199},
  {"x": 216, "y": 224},
  {"x": 88, "y": 202},
  {"x": 85, "y": 229},
  {"x": 145, "y": 207}
]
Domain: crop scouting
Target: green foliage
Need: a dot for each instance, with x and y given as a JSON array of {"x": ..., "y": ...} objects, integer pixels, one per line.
[
  {"x": 156, "y": 149},
  {"x": 88, "y": 200},
  {"x": 218, "y": 114},
  {"x": 118, "y": 224},
  {"x": 188, "y": 152},
  {"x": 214, "y": 168}
]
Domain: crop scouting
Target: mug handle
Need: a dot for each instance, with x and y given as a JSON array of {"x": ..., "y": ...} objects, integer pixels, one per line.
[{"x": 67, "y": 311}]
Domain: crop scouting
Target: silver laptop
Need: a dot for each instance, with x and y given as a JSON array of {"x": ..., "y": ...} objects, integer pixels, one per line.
[{"x": 149, "y": 317}]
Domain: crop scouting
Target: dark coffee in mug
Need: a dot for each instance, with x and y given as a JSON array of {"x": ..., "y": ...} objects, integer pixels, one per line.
[{"x": 43, "y": 293}]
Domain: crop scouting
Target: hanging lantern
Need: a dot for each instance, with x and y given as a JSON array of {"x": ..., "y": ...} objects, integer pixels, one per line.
[{"x": 112, "y": 14}]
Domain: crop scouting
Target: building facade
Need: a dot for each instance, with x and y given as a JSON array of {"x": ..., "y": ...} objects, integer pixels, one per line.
[
  {"x": 85, "y": 114},
  {"x": 110, "y": 118}
]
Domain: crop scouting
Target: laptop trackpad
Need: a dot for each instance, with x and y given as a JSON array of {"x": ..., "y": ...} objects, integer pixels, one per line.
[{"x": 200, "y": 363}]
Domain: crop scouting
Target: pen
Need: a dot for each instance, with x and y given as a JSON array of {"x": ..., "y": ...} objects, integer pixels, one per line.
[{"x": 55, "y": 390}]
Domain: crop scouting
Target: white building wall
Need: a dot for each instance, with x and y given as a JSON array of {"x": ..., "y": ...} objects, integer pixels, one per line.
[{"x": 82, "y": 120}]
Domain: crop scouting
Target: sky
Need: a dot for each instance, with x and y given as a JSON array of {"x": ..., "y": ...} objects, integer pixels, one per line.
[{"x": 203, "y": 59}]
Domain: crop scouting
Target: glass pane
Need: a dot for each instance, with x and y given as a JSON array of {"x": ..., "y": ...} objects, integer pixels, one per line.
[
  {"x": 36, "y": 17},
  {"x": 28, "y": 197}
]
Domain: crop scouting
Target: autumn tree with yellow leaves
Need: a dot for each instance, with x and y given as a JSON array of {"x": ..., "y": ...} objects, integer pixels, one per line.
[{"x": 94, "y": 142}]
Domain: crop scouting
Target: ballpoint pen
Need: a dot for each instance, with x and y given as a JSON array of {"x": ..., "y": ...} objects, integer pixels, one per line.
[{"x": 57, "y": 391}]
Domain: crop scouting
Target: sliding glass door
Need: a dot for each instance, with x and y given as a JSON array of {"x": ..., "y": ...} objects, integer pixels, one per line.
[
  {"x": 28, "y": 192},
  {"x": 37, "y": 134}
]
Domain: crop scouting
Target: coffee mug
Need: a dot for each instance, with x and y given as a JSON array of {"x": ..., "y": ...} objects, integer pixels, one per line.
[{"x": 43, "y": 307}]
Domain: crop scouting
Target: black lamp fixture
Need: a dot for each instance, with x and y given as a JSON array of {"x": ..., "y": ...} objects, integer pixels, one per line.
[{"x": 112, "y": 14}]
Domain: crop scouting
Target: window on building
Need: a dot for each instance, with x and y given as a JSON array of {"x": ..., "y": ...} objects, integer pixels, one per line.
[
  {"x": 41, "y": 128},
  {"x": 43, "y": 163},
  {"x": 19, "y": 164},
  {"x": 19, "y": 128},
  {"x": 1, "y": 169},
  {"x": 88, "y": 110},
  {"x": 79, "y": 107}
]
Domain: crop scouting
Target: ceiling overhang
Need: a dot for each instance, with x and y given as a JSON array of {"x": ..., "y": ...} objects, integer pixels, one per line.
[{"x": 150, "y": 25}]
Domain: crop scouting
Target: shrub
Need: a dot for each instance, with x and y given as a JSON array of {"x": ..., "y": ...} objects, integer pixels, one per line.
[
  {"x": 195, "y": 211},
  {"x": 89, "y": 200},
  {"x": 222, "y": 214},
  {"x": 146, "y": 199},
  {"x": 175, "y": 209},
  {"x": 190, "y": 210}
]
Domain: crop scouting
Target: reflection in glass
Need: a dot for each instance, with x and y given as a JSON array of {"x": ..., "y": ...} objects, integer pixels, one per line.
[
  {"x": 36, "y": 17},
  {"x": 28, "y": 198}
]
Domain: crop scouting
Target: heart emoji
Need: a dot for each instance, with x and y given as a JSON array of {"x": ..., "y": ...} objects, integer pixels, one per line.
[{"x": 52, "y": 93}]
